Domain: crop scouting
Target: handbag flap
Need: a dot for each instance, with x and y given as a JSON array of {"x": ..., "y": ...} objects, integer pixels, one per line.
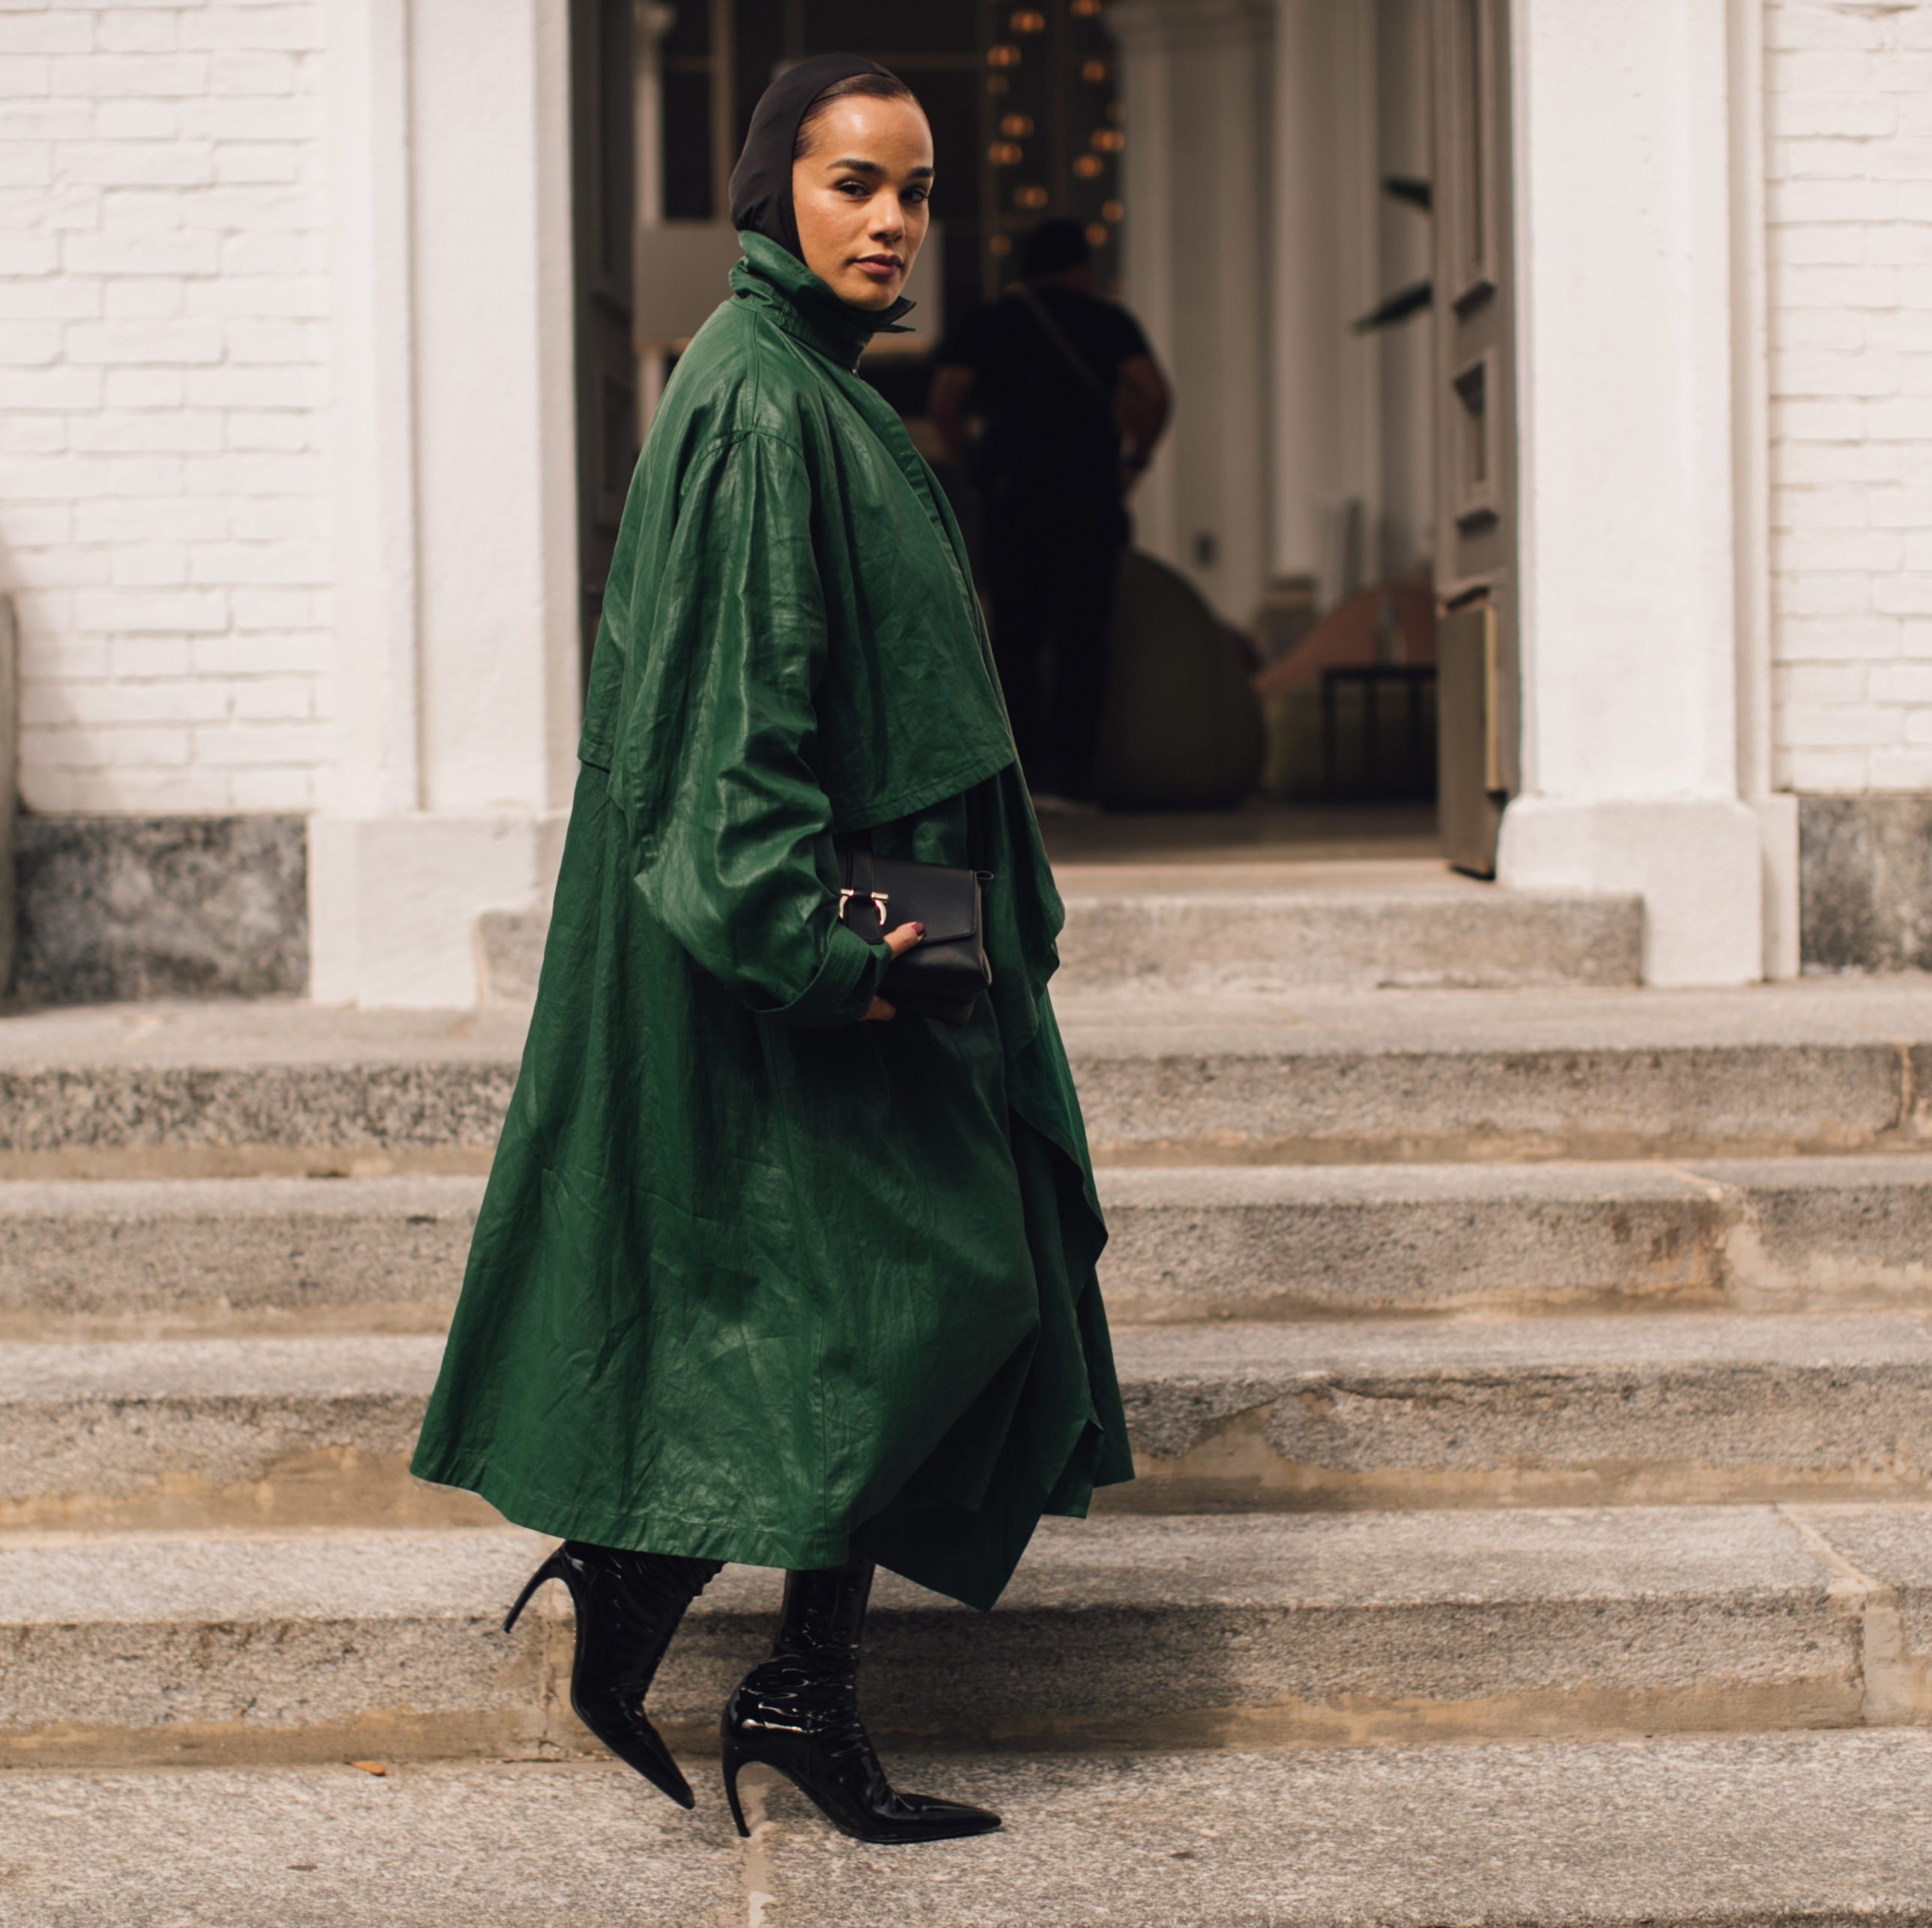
[{"x": 945, "y": 900}]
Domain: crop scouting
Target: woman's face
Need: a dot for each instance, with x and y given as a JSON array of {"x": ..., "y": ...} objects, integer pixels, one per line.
[{"x": 859, "y": 196}]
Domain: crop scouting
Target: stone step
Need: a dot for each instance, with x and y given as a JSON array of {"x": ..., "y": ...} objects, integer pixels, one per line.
[
  {"x": 191, "y": 1433},
  {"x": 183, "y": 1434},
  {"x": 1189, "y": 928},
  {"x": 1212, "y": 929},
  {"x": 1589, "y": 1410},
  {"x": 1822, "y": 1066},
  {"x": 260, "y": 1086},
  {"x": 1200, "y": 1632},
  {"x": 155, "y": 1256},
  {"x": 81, "y": 1258},
  {"x": 1781, "y": 1830},
  {"x": 1301, "y": 1242}
]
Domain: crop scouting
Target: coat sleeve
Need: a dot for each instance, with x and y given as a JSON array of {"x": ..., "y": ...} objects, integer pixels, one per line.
[{"x": 730, "y": 833}]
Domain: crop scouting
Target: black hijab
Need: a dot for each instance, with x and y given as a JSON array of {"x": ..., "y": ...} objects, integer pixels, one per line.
[{"x": 761, "y": 181}]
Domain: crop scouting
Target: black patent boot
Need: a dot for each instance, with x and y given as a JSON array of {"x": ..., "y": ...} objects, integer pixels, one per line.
[
  {"x": 627, "y": 1606},
  {"x": 799, "y": 1712}
]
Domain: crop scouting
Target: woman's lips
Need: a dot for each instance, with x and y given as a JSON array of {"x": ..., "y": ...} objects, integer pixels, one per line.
[{"x": 878, "y": 267}]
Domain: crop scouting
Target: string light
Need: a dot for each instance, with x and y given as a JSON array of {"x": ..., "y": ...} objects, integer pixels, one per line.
[{"x": 1031, "y": 198}]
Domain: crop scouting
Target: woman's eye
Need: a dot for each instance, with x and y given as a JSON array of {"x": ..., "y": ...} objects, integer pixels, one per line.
[
  {"x": 857, "y": 188},
  {"x": 918, "y": 196}
]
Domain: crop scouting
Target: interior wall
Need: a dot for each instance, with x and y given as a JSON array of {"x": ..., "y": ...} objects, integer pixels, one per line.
[
  {"x": 1198, "y": 185},
  {"x": 1404, "y": 531},
  {"x": 1325, "y": 434}
]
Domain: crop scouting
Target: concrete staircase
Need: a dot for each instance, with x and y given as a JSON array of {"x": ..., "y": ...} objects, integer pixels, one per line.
[
  {"x": 1543, "y": 1369},
  {"x": 1210, "y": 925}
]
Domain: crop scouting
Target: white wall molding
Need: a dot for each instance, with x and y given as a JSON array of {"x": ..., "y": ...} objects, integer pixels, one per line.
[
  {"x": 1695, "y": 862},
  {"x": 1750, "y": 463},
  {"x": 495, "y": 403},
  {"x": 394, "y": 900},
  {"x": 1629, "y": 589},
  {"x": 373, "y": 452},
  {"x": 457, "y": 488}
]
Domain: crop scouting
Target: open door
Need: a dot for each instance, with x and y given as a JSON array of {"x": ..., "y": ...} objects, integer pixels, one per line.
[
  {"x": 1478, "y": 680},
  {"x": 602, "y": 170}
]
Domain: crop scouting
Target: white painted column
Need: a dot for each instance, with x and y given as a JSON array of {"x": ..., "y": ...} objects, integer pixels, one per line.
[
  {"x": 1777, "y": 811},
  {"x": 372, "y": 420},
  {"x": 495, "y": 391},
  {"x": 455, "y": 489},
  {"x": 1196, "y": 81},
  {"x": 1629, "y": 589}
]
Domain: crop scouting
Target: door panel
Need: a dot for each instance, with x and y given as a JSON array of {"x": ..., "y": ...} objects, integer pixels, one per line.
[{"x": 1475, "y": 425}]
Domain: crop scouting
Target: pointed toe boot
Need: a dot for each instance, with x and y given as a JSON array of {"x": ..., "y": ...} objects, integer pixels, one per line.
[
  {"x": 627, "y": 1605},
  {"x": 798, "y": 1712}
]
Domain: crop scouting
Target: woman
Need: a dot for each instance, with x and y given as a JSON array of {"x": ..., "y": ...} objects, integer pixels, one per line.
[{"x": 764, "y": 1272}]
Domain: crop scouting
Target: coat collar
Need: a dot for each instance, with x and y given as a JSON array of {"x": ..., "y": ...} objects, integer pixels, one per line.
[{"x": 799, "y": 302}]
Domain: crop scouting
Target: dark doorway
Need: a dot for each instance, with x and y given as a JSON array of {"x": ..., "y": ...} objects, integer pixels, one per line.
[
  {"x": 1024, "y": 103},
  {"x": 603, "y": 168}
]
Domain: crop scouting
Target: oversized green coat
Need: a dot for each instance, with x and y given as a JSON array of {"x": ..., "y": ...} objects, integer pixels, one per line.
[{"x": 754, "y": 1281}]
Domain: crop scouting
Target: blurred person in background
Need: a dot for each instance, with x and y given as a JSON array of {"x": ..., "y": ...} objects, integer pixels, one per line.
[{"x": 1073, "y": 402}]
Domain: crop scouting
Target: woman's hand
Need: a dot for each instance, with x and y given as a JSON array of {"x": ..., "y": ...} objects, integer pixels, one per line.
[{"x": 898, "y": 942}]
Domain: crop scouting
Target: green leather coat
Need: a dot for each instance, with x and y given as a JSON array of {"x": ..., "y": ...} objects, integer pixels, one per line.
[{"x": 754, "y": 1281}]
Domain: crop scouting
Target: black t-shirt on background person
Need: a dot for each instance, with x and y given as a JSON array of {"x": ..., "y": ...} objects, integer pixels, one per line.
[{"x": 1050, "y": 439}]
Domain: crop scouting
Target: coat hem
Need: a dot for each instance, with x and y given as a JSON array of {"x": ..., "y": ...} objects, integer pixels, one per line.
[{"x": 735, "y": 1544}]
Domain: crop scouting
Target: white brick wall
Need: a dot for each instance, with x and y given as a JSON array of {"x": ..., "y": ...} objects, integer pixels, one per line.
[
  {"x": 164, "y": 380},
  {"x": 163, "y": 513},
  {"x": 1850, "y": 206}
]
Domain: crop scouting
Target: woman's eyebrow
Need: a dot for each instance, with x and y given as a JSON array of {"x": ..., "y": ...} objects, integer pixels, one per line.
[{"x": 849, "y": 166}]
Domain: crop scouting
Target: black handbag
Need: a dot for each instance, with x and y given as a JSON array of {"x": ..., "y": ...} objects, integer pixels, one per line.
[{"x": 943, "y": 975}]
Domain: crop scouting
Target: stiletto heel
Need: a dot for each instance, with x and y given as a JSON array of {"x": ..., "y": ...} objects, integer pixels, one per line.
[
  {"x": 551, "y": 1569},
  {"x": 733, "y": 1761},
  {"x": 627, "y": 1606},
  {"x": 799, "y": 1712}
]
